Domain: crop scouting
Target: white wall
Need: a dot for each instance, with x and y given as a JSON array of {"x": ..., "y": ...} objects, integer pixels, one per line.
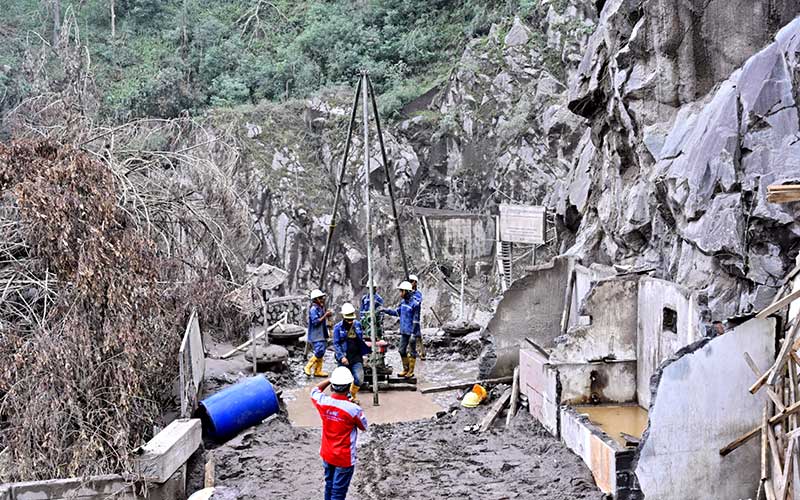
[
  {"x": 702, "y": 403},
  {"x": 654, "y": 344}
]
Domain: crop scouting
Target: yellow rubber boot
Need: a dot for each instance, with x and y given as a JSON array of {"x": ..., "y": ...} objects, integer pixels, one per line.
[
  {"x": 411, "y": 363},
  {"x": 310, "y": 366},
  {"x": 318, "y": 368},
  {"x": 353, "y": 391},
  {"x": 405, "y": 366}
]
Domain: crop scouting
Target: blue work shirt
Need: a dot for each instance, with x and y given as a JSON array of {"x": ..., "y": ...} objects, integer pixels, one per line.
[
  {"x": 406, "y": 313},
  {"x": 317, "y": 326},
  {"x": 417, "y": 295},
  {"x": 364, "y": 309},
  {"x": 340, "y": 340}
]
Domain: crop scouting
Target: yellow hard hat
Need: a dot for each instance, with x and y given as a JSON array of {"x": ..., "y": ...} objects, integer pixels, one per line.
[
  {"x": 474, "y": 397},
  {"x": 470, "y": 400}
]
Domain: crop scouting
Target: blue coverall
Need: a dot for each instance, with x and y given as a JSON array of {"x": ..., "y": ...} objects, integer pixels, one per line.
[
  {"x": 350, "y": 344},
  {"x": 317, "y": 332},
  {"x": 406, "y": 311}
]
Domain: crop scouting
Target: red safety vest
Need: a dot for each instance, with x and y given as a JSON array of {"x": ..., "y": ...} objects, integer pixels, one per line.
[{"x": 341, "y": 420}]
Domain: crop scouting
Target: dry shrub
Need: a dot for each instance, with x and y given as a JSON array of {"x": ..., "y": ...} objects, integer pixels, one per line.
[{"x": 89, "y": 337}]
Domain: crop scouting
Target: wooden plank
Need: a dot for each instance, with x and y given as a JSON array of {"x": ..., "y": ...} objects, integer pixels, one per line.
[
  {"x": 783, "y": 488},
  {"x": 168, "y": 450},
  {"x": 783, "y": 356},
  {"x": 208, "y": 477},
  {"x": 771, "y": 393},
  {"x": 257, "y": 337},
  {"x": 495, "y": 410},
  {"x": 512, "y": 407},
  {"x": 465, "y": 385},
  {"x": 790, "y": 410},
  {"x": 740, "y": 441},
  {"x": 769, "y": 490},
  {"x": 778, "y": 304},
  {"x": 764, "y": 443}
]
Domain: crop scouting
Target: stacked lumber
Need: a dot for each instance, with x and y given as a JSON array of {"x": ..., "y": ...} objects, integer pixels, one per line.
[
  {"x": 780, "y": 425},
  {"x": 783, "y": 193}
]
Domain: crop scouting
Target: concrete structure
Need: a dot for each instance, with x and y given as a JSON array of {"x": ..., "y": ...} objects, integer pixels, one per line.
[
  {"x": 669, "y": 319},
  {"x": 530, "y": 309},
  {"x": 593, "y": 384},
  {"x": 98, "y": 488},
  {"x": 164, "y": 460},
  {"x": 169, "y": 450},
  {"x": 697, "y": 409},
  {"x": 611, "y": 463}
]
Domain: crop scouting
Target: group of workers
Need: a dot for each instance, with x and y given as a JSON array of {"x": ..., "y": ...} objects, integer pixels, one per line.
[
  {"x": 349, "y": 345},
  {"x": 341, "y": 415}
]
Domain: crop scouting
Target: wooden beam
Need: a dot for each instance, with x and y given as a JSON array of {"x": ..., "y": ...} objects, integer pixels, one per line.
[
  {"x": 740, "y": 441},
  {"x": 257, "y": 337},
  {"x": 168, "y": 450},
  {"x": 790, "y": 410},
  {"x": 512, "y": 407},
  {"x": 764, "y": 443},
  {"x": 777, "y": 466},
  {"x": 783, "y": 488},
  {"x": 771, "y": 393},
  {"x": 495, "y": 410},
  {"x": 783, "y": 356},
  {"x": 769, "y": 490},
  {"x": 778, "y": 304},
  {"x": 464, "y": 385}
]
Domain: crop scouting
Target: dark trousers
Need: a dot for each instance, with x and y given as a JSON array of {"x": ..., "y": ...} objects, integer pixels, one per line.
[
  {"x": 407, "y": 341},
  {"x": 337, "y": 481}
]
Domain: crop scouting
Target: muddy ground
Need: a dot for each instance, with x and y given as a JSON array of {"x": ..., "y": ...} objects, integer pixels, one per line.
[{"x": 410, "y": 460}]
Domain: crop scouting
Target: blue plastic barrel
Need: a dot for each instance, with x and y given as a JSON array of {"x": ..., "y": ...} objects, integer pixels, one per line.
[{"x": 238, "y": 407}]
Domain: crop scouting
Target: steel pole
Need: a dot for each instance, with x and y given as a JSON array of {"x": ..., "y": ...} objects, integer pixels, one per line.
[
  {"x": 388, "y": 177},
  {"x": 368, "y": 206},
  {"x": 342, "y": 170}
]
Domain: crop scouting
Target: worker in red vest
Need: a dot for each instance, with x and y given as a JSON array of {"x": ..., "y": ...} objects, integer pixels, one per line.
[{"x": 341, "y": 421}]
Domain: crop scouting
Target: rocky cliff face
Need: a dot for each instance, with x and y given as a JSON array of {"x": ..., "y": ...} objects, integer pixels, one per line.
[
  {"x": 649, "y": 128},
  {"x": 693, "y": 112}
]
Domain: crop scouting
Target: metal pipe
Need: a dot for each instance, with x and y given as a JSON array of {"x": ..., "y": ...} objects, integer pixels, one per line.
[
  {"x": 388, "y": 177},
  {"x": 367, "y": 204},
  {"x": 342, "y": 170}
]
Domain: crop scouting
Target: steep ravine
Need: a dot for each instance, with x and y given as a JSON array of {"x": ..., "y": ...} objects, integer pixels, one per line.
[{"x": 653, "y": 149}]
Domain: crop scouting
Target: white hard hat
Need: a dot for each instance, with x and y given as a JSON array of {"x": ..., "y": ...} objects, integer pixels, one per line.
[
  {"x": 348, "y": 311},
  {"x": 342, "y": 376},
  {"x": 405, "y": 286},
  {"x": 316, "y": 293},
  {"x": 412, "y": 277}
]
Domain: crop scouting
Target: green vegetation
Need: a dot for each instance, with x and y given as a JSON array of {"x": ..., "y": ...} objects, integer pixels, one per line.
[{"x": 160, "y": 57}]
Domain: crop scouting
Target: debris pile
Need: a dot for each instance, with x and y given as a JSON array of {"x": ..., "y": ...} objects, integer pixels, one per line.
[{"x": 91, "y": 310}]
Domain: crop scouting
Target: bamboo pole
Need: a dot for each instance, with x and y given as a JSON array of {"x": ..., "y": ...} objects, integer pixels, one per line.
[
  {"x": 342, "y": 170},
  {"x": 388, "y": 175},
  {"x": 368, "y": 207}
]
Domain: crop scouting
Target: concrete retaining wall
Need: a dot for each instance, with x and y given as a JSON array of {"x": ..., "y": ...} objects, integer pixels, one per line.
[
  {"x": 593, "y": 383},
  {"x": 610, "y": 307},
  {"x": 98, "y": 488},
  {"x": 655, "y": 342},
  {"x": 531, "y": 308},
  {"x": 700, "y": 405},
  {"x": 539, "y": 382},
  {"x": 584, "y": 439}
]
